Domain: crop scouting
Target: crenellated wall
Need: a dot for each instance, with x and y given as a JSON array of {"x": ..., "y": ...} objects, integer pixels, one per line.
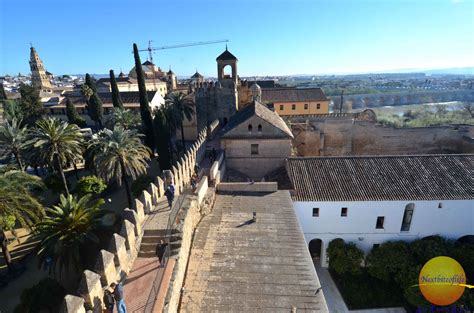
[{"x": 114, "y": 263}]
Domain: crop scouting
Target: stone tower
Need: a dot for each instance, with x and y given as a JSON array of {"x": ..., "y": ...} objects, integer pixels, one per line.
[
  {"x": 171, "y": 81},
  {"x": 217, "y": 100},
  {"x": 256, "y": 92},
  {"x": 39, "y": 78}
]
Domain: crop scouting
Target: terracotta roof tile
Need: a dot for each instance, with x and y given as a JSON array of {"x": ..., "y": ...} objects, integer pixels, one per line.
[
  {"x": 293, "y": 94},
  {"x": 382, "y": 178},
  {"x": 259, "y": 109}
]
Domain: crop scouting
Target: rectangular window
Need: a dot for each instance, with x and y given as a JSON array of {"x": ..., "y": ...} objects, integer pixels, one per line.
[
  {"x": 281, "y": 107},
  {"x": 316, "y": 212},
  {"x": 253, "y": 149},
  {"x": 318, "y": 106},
  {"x": 305, "y": 106},
  {"x": 343, "y": 211},
  {"x": 293, "y": 107},
  {"x": 380, "y": 220}
]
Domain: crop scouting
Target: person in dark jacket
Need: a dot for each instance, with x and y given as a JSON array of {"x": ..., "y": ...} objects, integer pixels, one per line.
[
  {"x": 118, "y": 295},
  {"x": 109, "y": 301},
  {"x": 169, "y": 193}
]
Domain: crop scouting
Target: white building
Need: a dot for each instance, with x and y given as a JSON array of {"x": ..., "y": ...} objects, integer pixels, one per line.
[{"x": 368, "y": 200}]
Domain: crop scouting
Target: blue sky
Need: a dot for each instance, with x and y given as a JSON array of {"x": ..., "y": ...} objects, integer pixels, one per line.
[{"x": 269, "y": 37}]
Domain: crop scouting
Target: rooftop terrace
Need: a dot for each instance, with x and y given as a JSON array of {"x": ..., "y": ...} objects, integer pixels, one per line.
[{"x": 237, "y": 265}]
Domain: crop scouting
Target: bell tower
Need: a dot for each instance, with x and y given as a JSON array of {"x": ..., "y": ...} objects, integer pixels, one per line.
[
  {"x": 226, "y": 58},
  {"x": 226, "y": 90},
  {"x": 39, "y": 78}
]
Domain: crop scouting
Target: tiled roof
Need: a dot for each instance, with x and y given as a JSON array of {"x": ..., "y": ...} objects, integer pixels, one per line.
[
  {"x": 293, "y": 94},
  {"x": 127, "y": 97},
  {"x": 262, "y": 83},
  {"x": 382, "y": 178},
  {"x": 197, "y": 75},
  {"x": 259, "y": 109},
  {"x": 226, "y": 56},
  {"x": 117, "y": 79}
]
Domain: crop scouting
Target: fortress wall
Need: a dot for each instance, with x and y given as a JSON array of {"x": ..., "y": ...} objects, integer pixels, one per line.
[{"x": 332, "y": 137}]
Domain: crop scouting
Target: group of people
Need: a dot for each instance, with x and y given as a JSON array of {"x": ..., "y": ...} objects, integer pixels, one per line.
[
  {"x": 112, "y": 296},
  {"x": 170, "y": 190}
]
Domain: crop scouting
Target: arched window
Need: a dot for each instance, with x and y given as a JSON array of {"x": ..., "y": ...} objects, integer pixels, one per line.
[
  {"x": 407, "y": 217},
  {"x": 259, "y": 127},
  {"x": 250, "y": 127}
]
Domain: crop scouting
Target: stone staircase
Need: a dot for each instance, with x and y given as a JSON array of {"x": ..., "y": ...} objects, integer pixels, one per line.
[{"x": 153, "y": 237}]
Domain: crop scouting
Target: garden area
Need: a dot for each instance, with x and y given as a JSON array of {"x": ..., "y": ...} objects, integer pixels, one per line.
[
  {"x": 63, "y": 189},
  {"x": 387, "y": 275}
]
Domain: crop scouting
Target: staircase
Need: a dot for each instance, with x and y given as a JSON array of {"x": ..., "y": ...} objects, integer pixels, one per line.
[{"x": 152, "y": 238}]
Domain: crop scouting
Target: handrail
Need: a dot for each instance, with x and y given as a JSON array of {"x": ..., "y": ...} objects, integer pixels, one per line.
[{"x": 158, "y": 281}]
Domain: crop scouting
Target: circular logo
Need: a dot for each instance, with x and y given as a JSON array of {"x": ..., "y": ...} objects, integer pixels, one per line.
[{"x": 442, "y": 280}]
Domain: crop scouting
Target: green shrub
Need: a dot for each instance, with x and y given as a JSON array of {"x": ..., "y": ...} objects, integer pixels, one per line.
[
  {"x": 391, "y": 261},
  {"x": 344, "y": 257},
  {"x": 46, "y": 296},
  {"x": 54, "y": 182},
  {"x": 90, "y": 184},
  {"x": 141, "y": 183},
  {"x": 7, "y": 222},
  {"x": 362, "y": 291}
]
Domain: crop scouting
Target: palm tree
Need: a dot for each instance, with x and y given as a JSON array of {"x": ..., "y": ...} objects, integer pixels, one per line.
[
  {"x": 119, "y": 153},
  {"x": 13, "y": 137},
  {"x": 124, "y": 118},
  {"x": 57, "y": 143},
  {"x": 183, "y": 108},
  {"x": 17, "y": 202},
  {"x": 68, "y": 231}
]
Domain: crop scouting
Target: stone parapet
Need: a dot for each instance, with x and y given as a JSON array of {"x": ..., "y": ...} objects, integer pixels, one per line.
[{"x": 113, "y": 264}]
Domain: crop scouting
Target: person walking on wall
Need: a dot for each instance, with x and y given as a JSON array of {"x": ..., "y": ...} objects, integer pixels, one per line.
[
  {"x": 118, "y": 295},
  {"x": 109, "y": 301},
  {"x": 169, "y": 193}
]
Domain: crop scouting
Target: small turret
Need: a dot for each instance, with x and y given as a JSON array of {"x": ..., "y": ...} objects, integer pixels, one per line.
[{"x": 256, "y": 92}]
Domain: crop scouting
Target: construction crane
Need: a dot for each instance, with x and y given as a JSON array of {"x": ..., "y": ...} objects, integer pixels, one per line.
[{"x": 151, "y": 49}]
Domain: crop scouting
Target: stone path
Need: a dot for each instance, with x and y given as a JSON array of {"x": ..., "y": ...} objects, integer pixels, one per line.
[
  {"x": 240, "y": 266},
  {"x": 139, "y": 283}
]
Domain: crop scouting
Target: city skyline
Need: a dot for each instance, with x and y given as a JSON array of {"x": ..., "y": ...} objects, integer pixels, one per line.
[{"x": 300, "y": 37}]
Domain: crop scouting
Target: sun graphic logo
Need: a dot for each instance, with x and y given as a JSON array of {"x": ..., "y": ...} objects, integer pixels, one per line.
[{"x": 442, "y": 281}]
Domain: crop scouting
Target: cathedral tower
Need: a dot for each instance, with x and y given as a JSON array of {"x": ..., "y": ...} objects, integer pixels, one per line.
[{"x": 39, "y": 78}]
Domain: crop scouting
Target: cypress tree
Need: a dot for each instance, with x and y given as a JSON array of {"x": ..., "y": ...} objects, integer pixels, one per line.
[
  {"x": 71, "y": 112},
  {"x": 116, "y": 99},
  {"x": 162, "y": 133},
  {"x": 3, "y": 94},
  {"x": 72, "y": 115},
  {"x": 145, "y": 112},
  {"x": 90, "y": 82},
  {"x": 94, "y": 104}
]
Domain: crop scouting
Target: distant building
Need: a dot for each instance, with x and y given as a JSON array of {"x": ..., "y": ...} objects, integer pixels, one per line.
[
  {"x": 245, "y": 94},
  {"x": 296, "y": 101},
  {"x": 131, "y": 100},
  {"x": 368, "y": 200},
  {"x": 256, "y": 141},
  {"x": 40, "y": 78},
  {"x": 155, "y": 80}
]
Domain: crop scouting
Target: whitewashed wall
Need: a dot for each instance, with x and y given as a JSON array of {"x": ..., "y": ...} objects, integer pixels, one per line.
[{"x": 454, "y": 220}]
